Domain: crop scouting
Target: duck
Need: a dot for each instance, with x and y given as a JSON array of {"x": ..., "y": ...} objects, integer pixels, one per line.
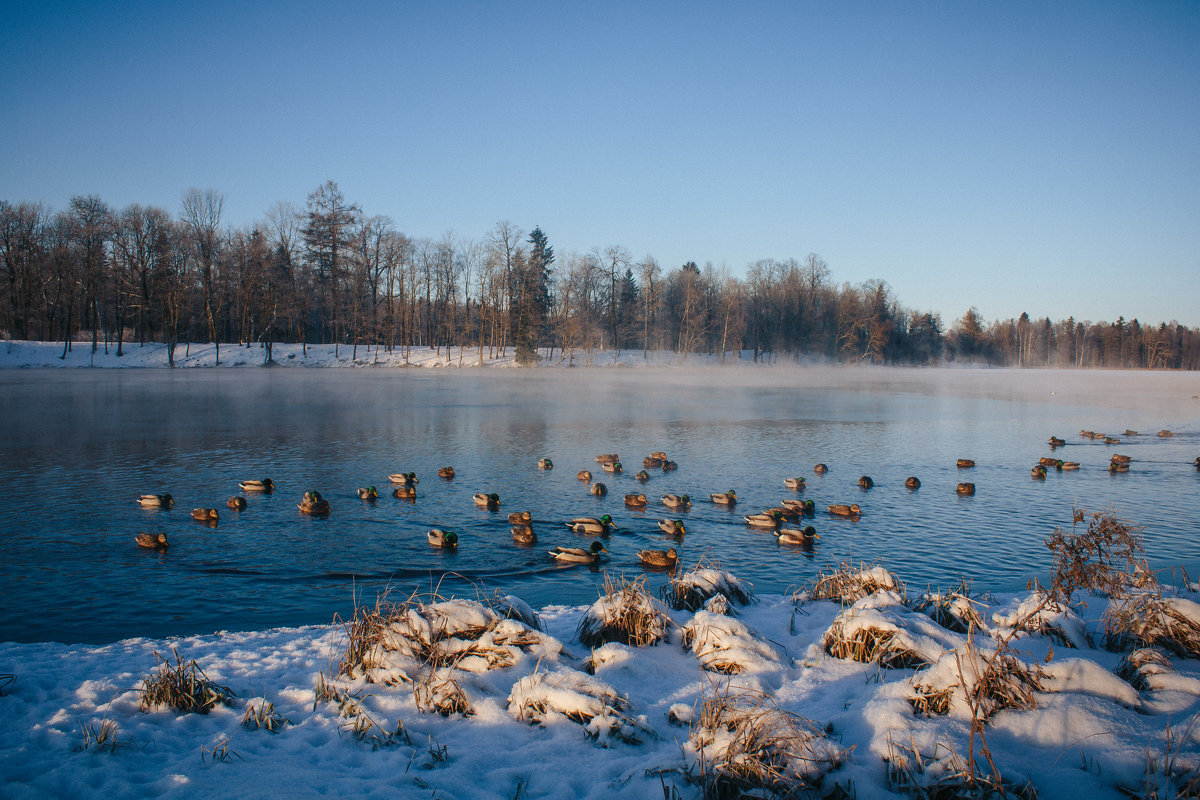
[
  {"x": 865, "y": 482},
  {"x": 820, "y": 469},
  {"x": 545, "y": 463},
  {"x": 839, "y": 510},
  {"x": 152, "y": 541},
  {"x": 1118, "y": 466},
  {"x": 803, "y": 506},
  {"x": 368, "y": 493},
  {"x": 1057, "y": 442},
  {"x": 1038, "y": 472},
  {"x": 489, "y": 501},
  {"x": 965, "y": 488},
  {"x": 598, "y": 489},
  {"x": 440, "y": 538},
  {"x": 912, "y": 482},
  {"x": 607, "y": 457},
  {"x": 799, "y": 484},
  {"x": 964, "y": 463},
  {"x": 205, "y": 514},
  {"x": 1117, "y": 458},
  {"x": 652, "y": 462},
  {"x": 669, "y": 466},
  {"x": 659, "y": 558},
  {"x": 577, "y": 555},
  {"x": 1197, "y": 462},
  {"x": 1111, "y": 440},
  {"x": 523, "y": 534},
  {"x": 405, "y": 493},
  {"x": 672, "y": 527},
  {"x": 236, "y": 503},
  {"x": 767, "y": 519},
  {"x": 404, "y": 478},
  {"x": 635, "y": 500},
  {"x": 520, "y": 518},
  {"x": 156, "y": 501},
  {"x": 796, "y": 536},
  {"x": 786, "y": 511},
  {"x": 1130, "y": 433},
  {"x": 1086, "y": 434},
  {"x": 724, "y": 498},
  {"x": 446, "y": 472},
  {"x": 1048, "y": 461},
  {"x": 1165, "y": 434},
  {"x": 591, "y": 524},
  {"x": 264, "y": 485},
  {"x": 584, "y": 475},
  {"x": 642, "y": 476},
  {"x": 676, "y": 501},
  {"x": 613, "y": 467},
  {"x": 659, "y": 454},
  {"x": 1061, "y": 465},
  {"x": 313, "y": 504}
]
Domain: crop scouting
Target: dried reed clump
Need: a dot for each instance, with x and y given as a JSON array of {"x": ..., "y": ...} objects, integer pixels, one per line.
[
  {"x": 871, "y": 640},
  {"x": 954, "y": 610},
  {"x": 183, "y": 687},
  {"x": 438, "y": 691},
  {"x": 727, "y": 646},
  {"x": 928, "y": 700},
  {"x": 946, "y": 775},
  {"x": 1149, "y": 619},
  {"x": 746, "y": 746},
  {"x": 625, "y": 613},
  {"x": 542, "y": 697},
  {"x": 261, "y": 714},
  {"x": 100, "y": 739},
  {"x": 693, "y": 590},
  {"x": 1042, "y": 615},
  {"x": 848, "y": 585},
  {"x": 998, "y": 682},
  {"x": 364, "y": 634},
  {"x": 1107, "y": 559},
  {"x": 1141, "y": 667},
  {"x": 359, "y": 723}
]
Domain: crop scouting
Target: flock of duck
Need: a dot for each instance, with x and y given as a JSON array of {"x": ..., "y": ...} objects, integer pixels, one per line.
[{"x": 521, "y": 522}]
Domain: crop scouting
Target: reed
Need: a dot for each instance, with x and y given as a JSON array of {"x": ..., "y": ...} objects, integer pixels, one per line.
[
  {"x": 693, "y": 590},
  {"x": 106, "y": 737},
  {"x": 1140, "y": 667},
  {"x": 625, "y": 613},
  {"x": 869, "y": 644},
  {"x": 945, "y": 774},
  {"x": 848, "y": 585},
  {"x": 261, "y": 714},
  {"x": 1150, "y": 620},
  {"x": 1106, "y": 559},
  {"x": 182, "y": 686}
]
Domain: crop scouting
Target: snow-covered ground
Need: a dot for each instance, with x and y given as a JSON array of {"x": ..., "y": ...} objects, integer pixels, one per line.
[{"x": 532, "y": 722}]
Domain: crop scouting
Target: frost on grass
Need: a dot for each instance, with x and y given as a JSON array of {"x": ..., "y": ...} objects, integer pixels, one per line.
[
  {"x": 725, "y": 645},
  {"x": 625, "y": 613},
  {"x": 703, "y": 585},
  {"x": 743, "y": 745},
  {"x": 544, "y": 698}
]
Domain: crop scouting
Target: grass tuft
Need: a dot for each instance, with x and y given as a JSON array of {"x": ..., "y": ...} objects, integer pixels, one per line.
[
  {"x": 625, "y": 613},
  {"x": 182, "y": 686}
]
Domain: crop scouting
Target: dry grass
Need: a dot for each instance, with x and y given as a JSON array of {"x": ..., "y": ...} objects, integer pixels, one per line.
[
  {"x": 929, "y": 701},
  {"x": 746, "y": 746},
  {"x": 261, "y": 714},
  {"x": 359, "y": 723},
  {"x": 437, "y": 691},
  {"x": 725, "y": 645},
  {"x": 1106, "y": 559},
  {"x": 690, "y": 591},
  {"x": 1150, "y": 620},
  {"x": 1139, "y": 667},
  {"x": 182, "y": 686},
  {"x": 1170, "y": 774},
  {"x": 100, "y": 739},
  {"x": 541, "y": 697},
  {"x": 848, "y": 585},
  {"x": 954, "y": 610},
  {"x": 625, "y": 613},
  {"x": 945, "y": 775},
  {"x": 221, "y": 751},
  {"x": 869, "y": 644}
]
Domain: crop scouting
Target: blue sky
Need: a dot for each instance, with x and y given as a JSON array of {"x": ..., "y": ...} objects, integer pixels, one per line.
[{"x": 1040, "y": 157}]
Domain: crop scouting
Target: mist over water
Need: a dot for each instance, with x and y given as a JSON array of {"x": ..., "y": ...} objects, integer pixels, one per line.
[{"x": 80, "y": 446}]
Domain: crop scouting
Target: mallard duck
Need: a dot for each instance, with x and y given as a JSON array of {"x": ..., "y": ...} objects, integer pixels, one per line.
[
  {"x": 965, "y": 488},
  {"x": 1095, "y": 435},
  {"x": 205, "y": 514},
  {"x": 964, "y": 463},
  {"x": 591, "y": 524},
  {"x": 405, "y": 493},
  {"x": 404, "y": 478},
  {"x": 1118, "y": 466},
  {"x": 521, "y": 518},
  {"x": 523, "y": 534},
  {"x": 659, "y": 454},
  {"x": 1197, "y": 462},
  {"x": 798, "y": 484},
  {"x": 642, "y": 476},
  {"x": 672, "y": 527},
  {"x": 724, "y": 498},
  {"x": 236, "y": 503},
  {"x": 489, "y": 501},
  {"x": 440, "y": 538},
  {"x": 651, "y": 462},
  {"x": 313, "y": 504},
  {"x": 613, "y": 467},
  {"x": 1117, "y": 458},
  {"x": 545, "y": 463},
  {"x": 768, "y": 519},
  {"x": 264, "y": 485},
  {"x": 796, "y": 536},
  {"x": 669, "y": 466},
  {"x": 676, "y": 501},
  {"x": 1057, "y": 442},
  {"x": 865, "y": 482},
  {"x": 1038, "y": 472},
  {"x": 368, "y": 493},
  {"x": 598, "y": 489},
  {"x": 577, "y": 555},
  {"x": 607, "y": 457},
  {"x": 839, "y": 510},
  {"x": 820, "y": 469},
  {"x": 802, "y": 506},
  {"x": 1111, "y": 440},
  {"x": 152, "y": 541},
  {"x": 659, "y": 558},
  {"x": 635, "y": 500},
  {"x": 584, "y": 475},
  {"x": 1166, "y": 434},
  {"x": 1066, "y": 465},
  {"x": 1048, "y": 461},
  {"x": 1130, "y": 433},
  {"x": 912, "y": 482},
  {"x": 156, "y": 501},
  {"x": 1086, "y": 434},
  {"x": 446, "y": 472}
]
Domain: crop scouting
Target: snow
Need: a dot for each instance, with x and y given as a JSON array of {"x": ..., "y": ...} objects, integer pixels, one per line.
[{"x": 539, "y": 725}]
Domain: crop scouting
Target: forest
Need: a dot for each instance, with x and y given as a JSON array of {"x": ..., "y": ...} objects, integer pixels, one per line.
[{"x": 327, "y": 272}]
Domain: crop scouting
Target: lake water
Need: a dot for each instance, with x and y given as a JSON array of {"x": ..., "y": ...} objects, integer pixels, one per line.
[{"x": 80, "y": 445}]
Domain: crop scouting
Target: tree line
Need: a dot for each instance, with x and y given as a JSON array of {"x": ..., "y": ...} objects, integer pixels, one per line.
[{"x": 329, "y": 273}]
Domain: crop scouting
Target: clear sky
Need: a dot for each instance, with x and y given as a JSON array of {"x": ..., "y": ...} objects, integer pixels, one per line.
[{"x": 1015, "y": 156}]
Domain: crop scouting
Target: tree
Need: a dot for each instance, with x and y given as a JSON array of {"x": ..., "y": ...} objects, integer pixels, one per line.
[
  {"x": 202, "y": 215},
  {"x": 531, "y": 295},
  {"x": 328, "y": 229}
]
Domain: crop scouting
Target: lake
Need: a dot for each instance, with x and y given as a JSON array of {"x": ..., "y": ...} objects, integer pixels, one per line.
[{"x": 80, "y": 446}]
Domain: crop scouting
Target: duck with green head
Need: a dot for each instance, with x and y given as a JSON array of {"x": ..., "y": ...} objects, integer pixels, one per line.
[
  {"x": 728, "y": 498},
  {"x": 593, "y": 525},
  {"x": 672, "y": 527},
  {"x": 444, "y": 539},
  {"x": 768, "y": 519},
  {"x": 577, "y": 555},
  {"x": 676, "y": 501},
  {"x": 796, "y": 535}
]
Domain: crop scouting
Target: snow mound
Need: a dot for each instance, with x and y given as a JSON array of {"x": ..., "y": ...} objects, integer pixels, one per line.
[{"x": 726, "y": 645}]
